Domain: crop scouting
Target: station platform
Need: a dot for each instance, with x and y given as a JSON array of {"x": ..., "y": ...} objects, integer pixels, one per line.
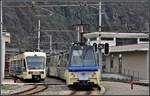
[
  {"x": 119, "y": 77},
  {"x": 10, "y": 81},
  {"x": 114, "y": 76}
]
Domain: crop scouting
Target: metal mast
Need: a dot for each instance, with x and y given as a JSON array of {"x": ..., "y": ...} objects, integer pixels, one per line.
[
  {"x": 39, "y": 26},
  {"x": 2, "y": 44},
  {"x": 100, "y": 24},
  {"x": 50, "y": 44},
  {"x": 100, "y": 17}
]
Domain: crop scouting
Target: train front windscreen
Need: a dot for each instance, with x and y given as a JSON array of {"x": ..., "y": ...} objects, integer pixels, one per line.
[
  {"x": 35, "y": 62},
  {"x": 83, "y": 57}
]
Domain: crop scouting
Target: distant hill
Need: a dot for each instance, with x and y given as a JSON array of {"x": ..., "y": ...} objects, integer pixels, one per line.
[{"x": 22, "y": 22}]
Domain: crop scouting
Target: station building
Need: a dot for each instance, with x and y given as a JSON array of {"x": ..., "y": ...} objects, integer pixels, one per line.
[
  {"x": 129, "y": 60},
  {"x": 116, "y": 39},
  {"x": 129, "y": 53}
]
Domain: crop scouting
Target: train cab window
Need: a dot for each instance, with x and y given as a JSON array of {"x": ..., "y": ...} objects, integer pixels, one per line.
[
  {"x": 83, "y": 57},
  {"x": 34, "y": 62},
  {"x": 76, "y": 58},
  {"x": 89, "y": 57}
]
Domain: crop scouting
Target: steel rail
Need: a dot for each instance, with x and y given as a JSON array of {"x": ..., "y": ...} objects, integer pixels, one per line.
[
  {"x": 75, "y": 0},
  {"x": 87, "y": 92},
  {"x": 35, "y": 89},
  {"x": 17, "y": 93}
]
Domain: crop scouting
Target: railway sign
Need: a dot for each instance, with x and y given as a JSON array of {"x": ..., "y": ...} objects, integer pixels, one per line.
[{"x": 100, "y": 46}]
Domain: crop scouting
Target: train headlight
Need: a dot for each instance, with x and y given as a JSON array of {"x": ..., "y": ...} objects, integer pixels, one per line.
[
  {"x": 42, "y": 72},
  {"x": 30, "y": 72},
  {"x": 94, "y": 74},
  {"x": 73, "y": 75}
]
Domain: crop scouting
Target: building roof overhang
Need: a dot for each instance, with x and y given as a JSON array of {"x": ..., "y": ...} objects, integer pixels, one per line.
[
  {"x": 129, "y": 48},
  {"x": 116, "y": 35}
]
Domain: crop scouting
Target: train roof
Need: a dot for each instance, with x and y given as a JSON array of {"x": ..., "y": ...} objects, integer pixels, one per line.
[
  {"x": 34, "y": 54},
  {"x": 25, "y": 54},
  {"x": 79, "y": 44},
  {"x": 82, "y": 46}
]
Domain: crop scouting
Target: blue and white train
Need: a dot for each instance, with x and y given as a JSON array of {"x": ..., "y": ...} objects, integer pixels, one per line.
[{"x": 78, "y": 67}]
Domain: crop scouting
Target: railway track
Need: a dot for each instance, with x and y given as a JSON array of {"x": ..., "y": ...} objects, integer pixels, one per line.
[
  {"x": 35, "y": 89},
  {"x": 40, "y": 89},
  {"x": 93, "y": 91},
  {"x": 78, "y": 91},
  {"x": 61, "y": 89}
]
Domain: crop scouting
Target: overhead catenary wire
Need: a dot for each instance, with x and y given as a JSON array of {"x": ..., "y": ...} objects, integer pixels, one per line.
[
  {"x": 65, "y": 3},
  {"x": 75, "y": 1}
]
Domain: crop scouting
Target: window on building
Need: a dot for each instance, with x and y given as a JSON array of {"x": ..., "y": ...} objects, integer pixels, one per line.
[
  {"x": 126, "y": 41},
  {"x": 144, "y": 39},
  {"x": 93, "y": 39},
  {"x": 106, "y": 38},
  {"x": 104, "y": 63},
  {"x": 111, "y": 61}
]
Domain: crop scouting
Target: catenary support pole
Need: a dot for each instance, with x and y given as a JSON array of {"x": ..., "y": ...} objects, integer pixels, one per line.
[
  {"x": 2, "y": 44},
  {"x": 78, "y": 34},
  {"x": 100, "y": 24},
  {"x": 39, "y": 33},
  {"x": 50, "y": 44}
]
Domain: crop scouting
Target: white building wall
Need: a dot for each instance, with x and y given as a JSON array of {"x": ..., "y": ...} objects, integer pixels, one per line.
[
  {"x": 114, "y": 36},
  {"x": 132, "y": 62},
  {"x": 111, "y": 42}
]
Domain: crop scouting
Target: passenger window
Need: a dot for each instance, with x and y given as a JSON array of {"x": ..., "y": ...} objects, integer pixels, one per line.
[{"x": 24, "y": 63}]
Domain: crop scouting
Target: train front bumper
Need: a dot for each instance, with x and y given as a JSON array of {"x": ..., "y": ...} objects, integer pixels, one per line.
[
  {"x": 93, "y": 81},
  {"x": 92, "y": 78},
  {"x": 30, "y": 75}
]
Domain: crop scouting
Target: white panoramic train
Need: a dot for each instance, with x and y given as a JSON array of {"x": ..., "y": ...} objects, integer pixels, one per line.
[
  {"x": 29, "y": 66},
  {"x": 78, "y": 67}
]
